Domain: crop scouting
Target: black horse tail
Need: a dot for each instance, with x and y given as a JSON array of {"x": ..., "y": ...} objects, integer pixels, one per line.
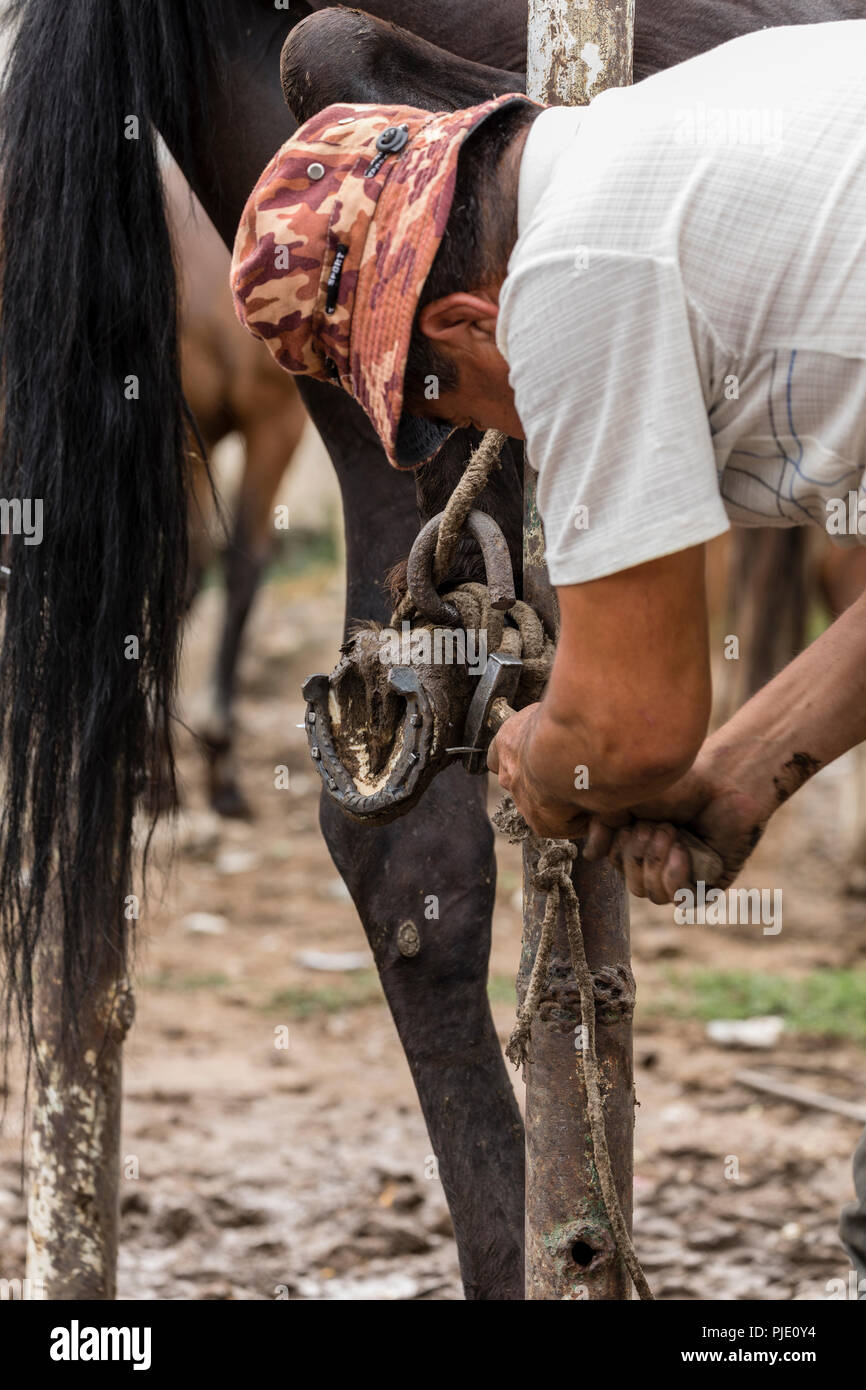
[{"x": 92, "y": 468}]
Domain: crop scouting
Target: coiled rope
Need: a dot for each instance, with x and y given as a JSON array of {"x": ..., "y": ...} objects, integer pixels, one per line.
[{"x": 552, "y": 875}]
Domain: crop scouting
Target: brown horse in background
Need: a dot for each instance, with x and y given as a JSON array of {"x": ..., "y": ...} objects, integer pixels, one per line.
[{"x": 231, "y": 384}]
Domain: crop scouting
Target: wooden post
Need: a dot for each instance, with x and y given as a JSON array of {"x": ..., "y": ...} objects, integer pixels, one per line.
[
  {"x": 72, "y": 1210},
  {"x": 576, "y": 48}
]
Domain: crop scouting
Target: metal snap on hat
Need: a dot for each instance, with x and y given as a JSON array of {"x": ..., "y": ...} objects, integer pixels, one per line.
[
  {"x": 393, "y": 139},
  {"x": 334, "y": 246}
]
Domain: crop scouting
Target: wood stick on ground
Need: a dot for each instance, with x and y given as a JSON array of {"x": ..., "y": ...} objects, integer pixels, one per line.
[{"x": 801, "y": 1095}]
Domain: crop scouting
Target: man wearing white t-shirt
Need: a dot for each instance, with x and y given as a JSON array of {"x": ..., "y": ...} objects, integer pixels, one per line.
[
  {"x": 681, "y": 340},
  {"x": 664, "y": 294}
]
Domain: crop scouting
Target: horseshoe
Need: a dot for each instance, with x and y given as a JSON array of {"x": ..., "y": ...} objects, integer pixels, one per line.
[{"x": 401, "y": 788}]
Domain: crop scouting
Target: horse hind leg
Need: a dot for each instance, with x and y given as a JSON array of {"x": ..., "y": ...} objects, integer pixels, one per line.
[{"x": 270, "y": 445}]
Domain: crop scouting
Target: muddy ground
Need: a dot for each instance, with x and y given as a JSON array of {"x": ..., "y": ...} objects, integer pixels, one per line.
[{"x": 303, "y": 1171}]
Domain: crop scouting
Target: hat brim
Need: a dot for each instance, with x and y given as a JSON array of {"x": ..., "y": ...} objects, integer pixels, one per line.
[{"x": 419, "y": 440}]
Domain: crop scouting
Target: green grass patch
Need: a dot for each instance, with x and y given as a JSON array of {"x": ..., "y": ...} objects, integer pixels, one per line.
[
  {"x": 300, "y": 549},
  {"x": 824, "y": 1003},
  {"x": 818, "y": 619},
  {"x": 357, "y": 990},
  {"x": 501, "y": 989},
  {"x": 353, "y": 992},
  {"x": 508, "y": 881}
]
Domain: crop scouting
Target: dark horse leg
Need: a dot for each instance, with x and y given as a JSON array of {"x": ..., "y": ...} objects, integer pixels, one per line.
[
  {"x": 434, "y": 869},
  {"x": 442, "y": 854}
]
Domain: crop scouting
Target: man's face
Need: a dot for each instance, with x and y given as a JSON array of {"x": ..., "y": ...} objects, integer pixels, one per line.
[{"x": 462, "y": 326}]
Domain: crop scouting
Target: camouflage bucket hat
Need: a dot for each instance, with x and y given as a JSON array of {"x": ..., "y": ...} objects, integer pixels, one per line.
[{"x": 334, "y": 246}]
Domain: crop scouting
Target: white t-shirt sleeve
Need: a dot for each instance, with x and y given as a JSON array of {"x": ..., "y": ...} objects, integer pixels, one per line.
[{"x": 607, "y": 388}]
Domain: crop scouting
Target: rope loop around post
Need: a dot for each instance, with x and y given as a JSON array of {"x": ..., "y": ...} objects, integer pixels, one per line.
[{"x": 552, "y": 876}]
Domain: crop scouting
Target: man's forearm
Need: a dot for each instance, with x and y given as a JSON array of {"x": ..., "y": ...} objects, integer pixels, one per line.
[
  {"x": 807, "y": 716},
  {"x": 810, "y": 714},
  {"x": 627, "y": 704}
]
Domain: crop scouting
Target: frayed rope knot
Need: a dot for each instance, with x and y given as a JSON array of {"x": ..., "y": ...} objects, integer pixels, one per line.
[
  {"x": 552, "y": 875},
  {"x": 554, "y": 866}
]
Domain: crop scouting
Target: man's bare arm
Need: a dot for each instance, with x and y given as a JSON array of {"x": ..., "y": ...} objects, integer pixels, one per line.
[
  {"x": 628, "y": 698},
  {"x": 810, "y": 714}
]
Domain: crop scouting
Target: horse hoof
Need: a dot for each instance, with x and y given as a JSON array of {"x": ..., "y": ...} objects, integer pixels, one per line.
[{"x": 378, "y": 733}]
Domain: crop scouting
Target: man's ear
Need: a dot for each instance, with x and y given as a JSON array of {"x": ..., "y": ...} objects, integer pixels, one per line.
[{"x": 460, "y": 319}]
